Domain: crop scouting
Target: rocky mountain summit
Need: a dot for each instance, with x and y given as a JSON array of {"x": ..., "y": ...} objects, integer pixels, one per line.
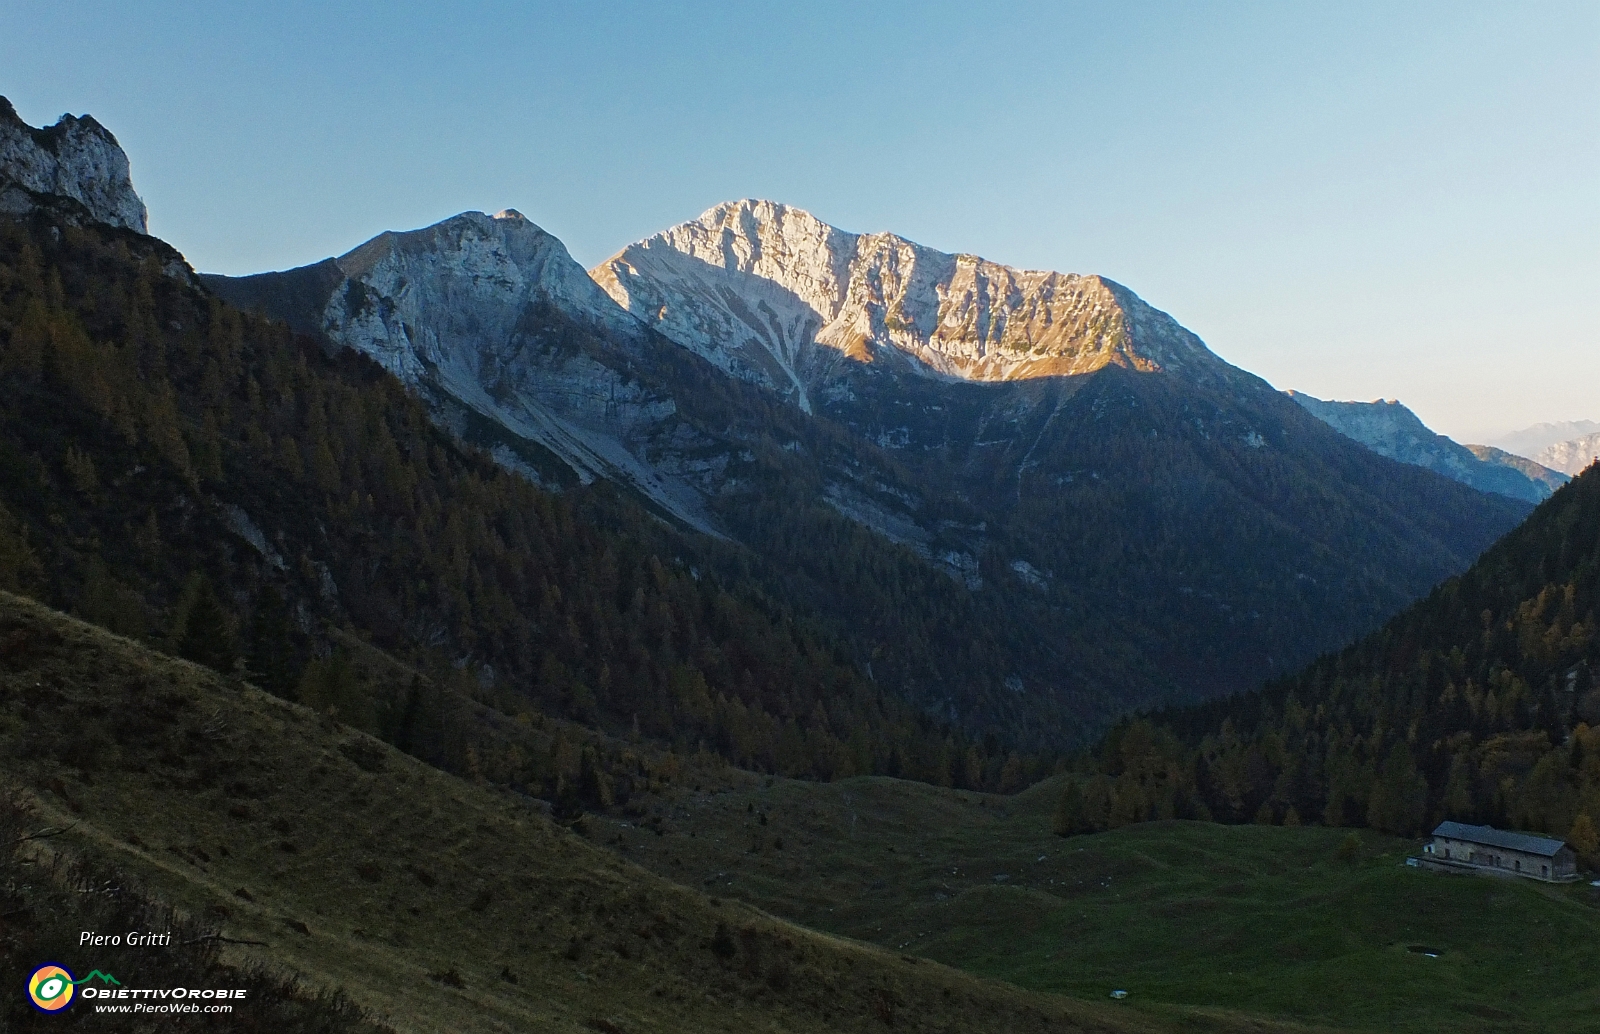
[
  {"x": 463, "y": 310},
  {"x": 1021, "y": 501},
  {"x": 1571, "y": 457},
  {"x": 1390, "y": 429},
  {"x": 1024, "y": 496},
  {"x": 772, "y": 294},
  {"x": 76, "y": 158},
  {"x": 1531, "y": 441}
]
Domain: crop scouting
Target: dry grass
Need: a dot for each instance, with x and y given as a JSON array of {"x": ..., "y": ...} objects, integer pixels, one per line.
[{"x": 436, "y": 904}]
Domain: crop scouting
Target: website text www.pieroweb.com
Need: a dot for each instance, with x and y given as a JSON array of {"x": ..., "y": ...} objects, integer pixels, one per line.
[{"x": 52, "y": 988}]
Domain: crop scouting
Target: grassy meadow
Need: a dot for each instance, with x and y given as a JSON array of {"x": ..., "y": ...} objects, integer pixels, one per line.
[
  {"x": 434, "y": 903},
  {"x": 1198, "y": 922},
  {"x": 728, "y": 901}
]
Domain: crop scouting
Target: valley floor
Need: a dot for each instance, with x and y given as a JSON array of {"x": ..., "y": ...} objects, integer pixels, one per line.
[
  {"x": 1185, "y": 916},
  {"x": 435, "y": 903},
  {"x": 439, "y": 904}
]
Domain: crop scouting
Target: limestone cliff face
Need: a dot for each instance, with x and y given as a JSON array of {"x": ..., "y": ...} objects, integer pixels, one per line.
[
  {"x": 454, "y": 293},
  {"x": 472, "y": 275},
  {"x": 775, "y": 295},
  {"x": 1529, "y": 442},
  {"x": 1571, "y": 457},
  {"x": 483, "y": 314},
  {"x": 1078, "y": 477},
  {"x": 76, "y": 158}
]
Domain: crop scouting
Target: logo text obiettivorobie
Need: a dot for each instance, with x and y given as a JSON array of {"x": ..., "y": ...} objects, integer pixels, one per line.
[{"x": 51, "y": 988}]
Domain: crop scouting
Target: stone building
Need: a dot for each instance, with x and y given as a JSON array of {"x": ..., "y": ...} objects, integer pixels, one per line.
[{"x": 1458, "y": 846}]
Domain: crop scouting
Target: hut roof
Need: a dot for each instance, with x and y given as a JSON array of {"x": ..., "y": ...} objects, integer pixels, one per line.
[{"x": 1527, "y": 843}]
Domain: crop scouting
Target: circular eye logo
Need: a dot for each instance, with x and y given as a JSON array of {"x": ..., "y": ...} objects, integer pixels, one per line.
[{"x": 50, "y": 987}]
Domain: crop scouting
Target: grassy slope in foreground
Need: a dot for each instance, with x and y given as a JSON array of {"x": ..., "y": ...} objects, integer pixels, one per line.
[
  {"x": 44, "y": 909},
  {"x": 423, "y": 896},
  {"x": 1259, "y": 920}
]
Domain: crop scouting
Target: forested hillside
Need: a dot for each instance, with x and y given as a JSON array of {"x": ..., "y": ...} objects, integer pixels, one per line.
[
  {"x": 312, "y": 858},
  {"x": 209, "y": 482},
  {"x": 1479, "y": 703},
  {"x": 1033, "y": 558}
]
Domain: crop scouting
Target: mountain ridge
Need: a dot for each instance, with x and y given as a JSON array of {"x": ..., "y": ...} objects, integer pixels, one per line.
[
  {"x": 1478, "y": 703},
  {"x": 1028, "y": 557},
  {"x": 824, "y": 295},
  {"x": 1571, "y": 457},
  {"x": 1391, "y": 429},
  {"x": 457, "y": 332},
  {"x": 1007, "y": 488},
  {"x": 1536, "y": 472},
  {"x": 1530, "y": 441}
]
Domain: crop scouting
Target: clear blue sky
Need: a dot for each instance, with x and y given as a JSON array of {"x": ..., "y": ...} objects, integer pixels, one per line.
[{"x": 1352, "y": 199}]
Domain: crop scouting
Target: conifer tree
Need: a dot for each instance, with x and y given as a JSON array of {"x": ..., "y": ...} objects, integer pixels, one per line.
[
  {"x": 594, "y": 789},
  {"x": 1583, "y": 838},
  {"x": 19, "y": 566},
  {"x": 1400, "y": 796},
  {"x": 1070, "y": 816},
  {"x": 271, "y": 655},
  {"x": 201, "y": 630}
]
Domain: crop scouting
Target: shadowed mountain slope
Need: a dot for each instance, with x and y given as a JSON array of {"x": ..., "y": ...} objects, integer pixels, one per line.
[
  {"x": 1548, "y": 480},
  {"x": 1478, "y": 703},
  {"x": 434, "y": 903},
  {"x": 1390, "y": 429},
  {"x": 181, "y": 472},
  {"x": 1122, "y": 519}
]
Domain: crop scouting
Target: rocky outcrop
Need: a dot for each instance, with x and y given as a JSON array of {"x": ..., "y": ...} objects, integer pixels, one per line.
[
  {"x": 1085, "y": 487},
  {"x": 76, "y": 158},
  {"x": 776, "y": 296},
  {"x": 1573, "y": 456},
  {"x": 1531, "y": 441},
  {"x": 1390, "y": 429},
  {"x": 490, "y": 317},
  {"x": 1029, "y": 500},
  {"x": 1535, "y": 472}
]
